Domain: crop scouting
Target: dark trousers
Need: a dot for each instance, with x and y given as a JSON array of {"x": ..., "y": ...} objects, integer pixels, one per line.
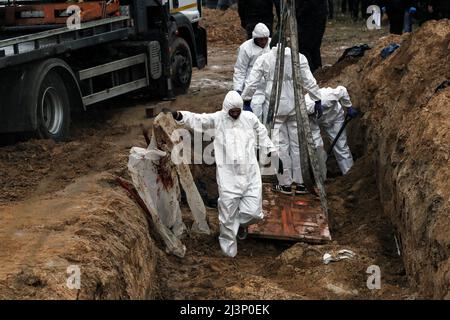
[
  {"x": 310, "y": 37},
  {"x": 330, "y": 9},
  {"x": 344, "y": 5},
  {"x": 396, "y": 22},
  {"x": 249, "y": 27},
  {"x": 359, "y": 6}
]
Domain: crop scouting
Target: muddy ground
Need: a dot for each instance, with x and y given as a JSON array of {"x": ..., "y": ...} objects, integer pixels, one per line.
[{"x": 60, "y": 206}]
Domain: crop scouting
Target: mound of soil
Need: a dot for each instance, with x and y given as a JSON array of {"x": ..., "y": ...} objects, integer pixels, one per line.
[
  {"x": 91, "y": 224},
  {"x": 36, "y": 167},
  {"x": 405, "y": 130},
  {"x": 223, "y": 27}
]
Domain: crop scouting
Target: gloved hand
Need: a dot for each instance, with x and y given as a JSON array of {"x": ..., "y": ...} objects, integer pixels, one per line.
[
  {"x": 352, "y": 112},
  {"x": 383, "y": 9},
  {"x": 175, "y": 114},
  {"x": 240, "y": 92},
  {"x": 412, "y": 10},
  {"x": 280, "y": 163},
  {"x": 247, "y": 105},
  {"x": 318, "y": 109},
  {"x": 280, "y": 166}
]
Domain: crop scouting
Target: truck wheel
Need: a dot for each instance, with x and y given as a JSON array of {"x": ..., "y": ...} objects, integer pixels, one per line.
[
  {"x": 53, "y": 108},
  {"x": 181, "y": 66}
]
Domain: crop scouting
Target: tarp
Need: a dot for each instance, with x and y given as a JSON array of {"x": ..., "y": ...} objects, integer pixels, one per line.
[{"x": 157, "y": 180}]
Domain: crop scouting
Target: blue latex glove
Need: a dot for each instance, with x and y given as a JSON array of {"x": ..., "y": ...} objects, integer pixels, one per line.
[
  {"x": 412, "y": 10},
  {"x": 318, "y": 109},
  {"x": 352, "y": 112},
  {"x": 240, "y": 92},
  {"x": 247, "y": 106},
  {"x": 383, "y": 9}
]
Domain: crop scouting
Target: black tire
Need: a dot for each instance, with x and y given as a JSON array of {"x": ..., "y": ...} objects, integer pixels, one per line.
[
  {"x": 53, "y": 108},
  {"x": 181, "y": 62}
]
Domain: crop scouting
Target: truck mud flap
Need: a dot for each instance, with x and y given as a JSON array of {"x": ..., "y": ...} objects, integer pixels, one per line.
[{"x": 202, "y": 47}]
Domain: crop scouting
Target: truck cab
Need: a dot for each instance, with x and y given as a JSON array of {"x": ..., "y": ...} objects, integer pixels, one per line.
[{"x": 50, "y": 69}]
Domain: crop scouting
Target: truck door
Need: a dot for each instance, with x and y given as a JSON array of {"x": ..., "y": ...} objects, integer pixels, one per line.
[{"x": 189, "y": 8}]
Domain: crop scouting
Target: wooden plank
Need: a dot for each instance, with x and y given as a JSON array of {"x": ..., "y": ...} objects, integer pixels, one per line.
[{"x": 291, "y": 218}]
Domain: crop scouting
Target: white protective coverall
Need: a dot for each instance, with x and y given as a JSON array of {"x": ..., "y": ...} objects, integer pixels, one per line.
[
  {"x": 285, "y": 135},
  {"x": 333, "y": 101},
  {"x": 248, "y": 52},
  {"x": 238, "y": 173}
]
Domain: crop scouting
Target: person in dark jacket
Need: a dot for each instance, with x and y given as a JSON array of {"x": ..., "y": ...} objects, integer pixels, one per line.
[
  {"x": 253, "y": 12},
  {"x": 359, "y": 6},
  {"x": 439, "y": 9},
  {"x": 312, "y": 21},
  {"x": 224, "y": 4},
  {"x": 395, "y": 10},
  {"x": 331, "y": 9}
]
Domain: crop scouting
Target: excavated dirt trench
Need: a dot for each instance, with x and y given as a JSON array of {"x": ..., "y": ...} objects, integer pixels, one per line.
[
  {"x": 405, "y": 134},
  {"x": 59, "y": 205}
]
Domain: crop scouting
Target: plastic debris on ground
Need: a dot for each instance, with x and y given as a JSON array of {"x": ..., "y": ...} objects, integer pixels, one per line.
[
  {"x": 355, "y": 51},
  {"x": 386, "y": 52},
  {"x": 340, "y": 255}
]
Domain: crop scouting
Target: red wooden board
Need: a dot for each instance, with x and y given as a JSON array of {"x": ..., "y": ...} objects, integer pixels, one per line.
[{"x": 294, "y": 218}]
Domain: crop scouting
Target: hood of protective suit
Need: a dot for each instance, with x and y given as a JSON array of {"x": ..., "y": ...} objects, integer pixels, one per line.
[
  {"x": 287, "y": 50},
  {"x": 232, "y": 100},
  {"x": 261, "y": 31}
]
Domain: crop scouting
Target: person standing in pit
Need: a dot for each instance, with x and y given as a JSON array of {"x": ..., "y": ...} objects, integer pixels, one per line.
[
  {"x": 285, "y": 133},
  {"x": 334, "y": 101},
  {"x": 248, "y": 52},
  {"x": 238, "y": 174}
]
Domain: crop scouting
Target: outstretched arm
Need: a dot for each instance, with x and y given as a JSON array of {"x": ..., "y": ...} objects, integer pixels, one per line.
[{"x": 196, "y": 121}]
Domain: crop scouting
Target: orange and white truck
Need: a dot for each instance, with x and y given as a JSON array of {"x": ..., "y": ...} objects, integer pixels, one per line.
[{"x": 58, "y": 57}]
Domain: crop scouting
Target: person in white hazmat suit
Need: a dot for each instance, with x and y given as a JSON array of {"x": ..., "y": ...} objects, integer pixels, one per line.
[
  {"x": 285, "y": 135},
  {"x": 248, "y": 52},
  {"x": 238, "y": 173},
  {"x": 334, "y": 100}
]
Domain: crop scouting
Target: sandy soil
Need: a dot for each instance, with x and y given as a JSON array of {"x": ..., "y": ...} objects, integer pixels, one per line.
[
  {"x": 405, "y": 132},
  {"x": 122, "y": 259}
]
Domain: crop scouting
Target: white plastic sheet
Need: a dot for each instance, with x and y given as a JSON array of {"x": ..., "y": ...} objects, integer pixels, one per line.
[
  {"x": 162, "y": 204},
  {"x": 157, "y": 180},
  {"x": 165, "y": 130}
]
